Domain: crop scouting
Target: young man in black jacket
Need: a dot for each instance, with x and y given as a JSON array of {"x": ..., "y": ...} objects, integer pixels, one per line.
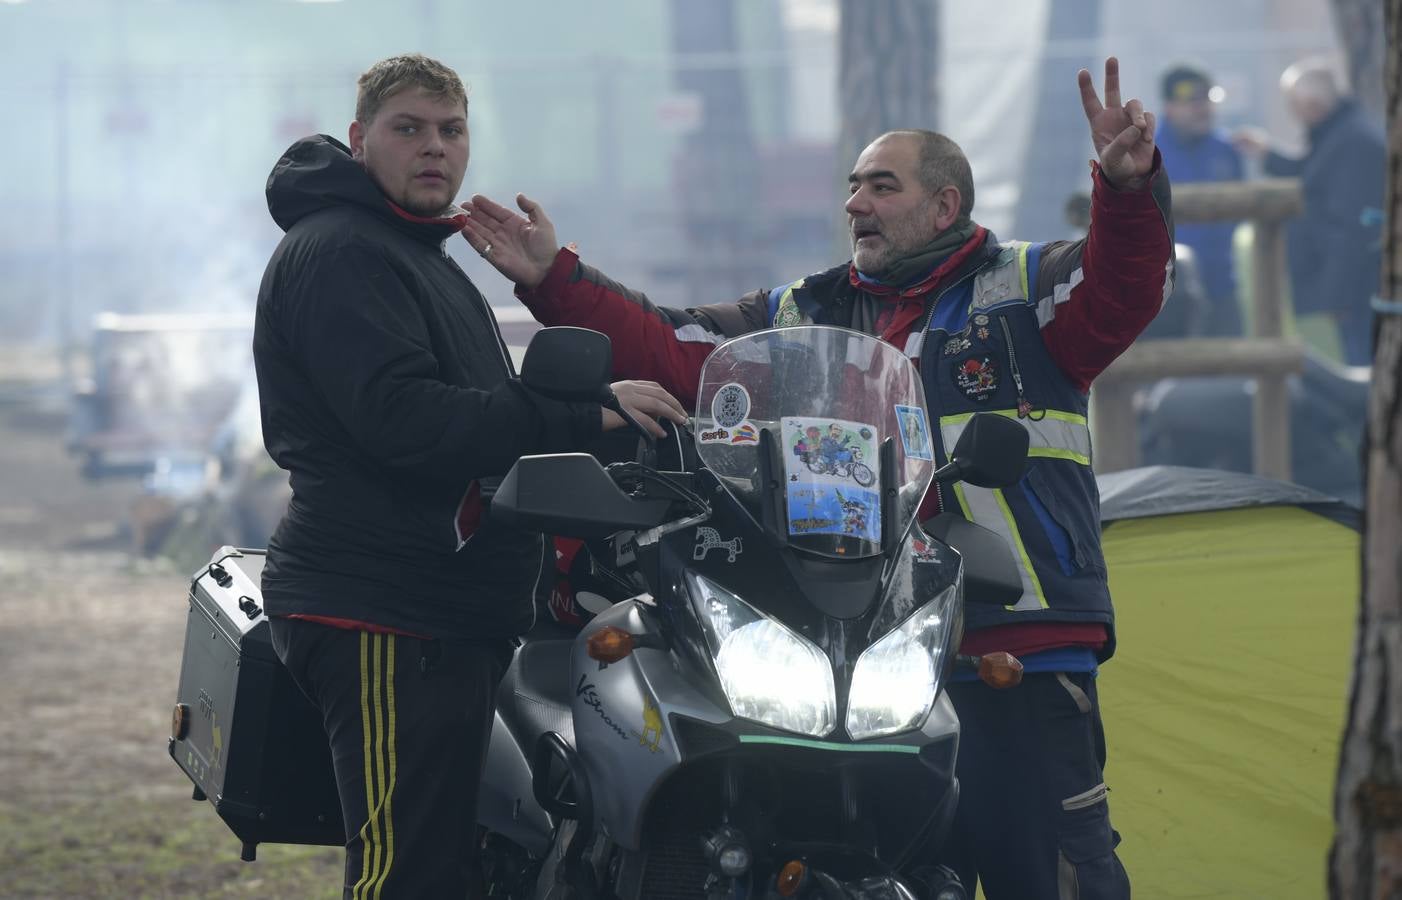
[{"x": 388, "y": 395}]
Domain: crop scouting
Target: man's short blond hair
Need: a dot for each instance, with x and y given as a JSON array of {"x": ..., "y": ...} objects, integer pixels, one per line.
[{"x": 390, "y": 76}]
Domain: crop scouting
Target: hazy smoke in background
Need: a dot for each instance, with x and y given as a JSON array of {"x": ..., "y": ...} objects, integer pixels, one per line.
[{"x": 141, "y": 132}]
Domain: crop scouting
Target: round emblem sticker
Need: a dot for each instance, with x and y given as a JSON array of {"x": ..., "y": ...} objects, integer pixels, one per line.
[{"x": 731, "y": 405}]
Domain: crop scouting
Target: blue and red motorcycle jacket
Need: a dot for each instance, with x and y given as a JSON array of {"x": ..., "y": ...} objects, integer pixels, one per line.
[{"x": 1014, "y": 328}]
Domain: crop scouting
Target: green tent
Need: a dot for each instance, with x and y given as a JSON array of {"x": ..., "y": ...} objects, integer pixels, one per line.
[{"x": 1236, "y": 603}]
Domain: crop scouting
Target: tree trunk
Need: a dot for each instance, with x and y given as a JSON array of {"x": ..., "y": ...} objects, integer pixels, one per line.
[
  {"x": 1359, "y": 24},
  {"x": 717, "y": 167},
  {"x": 1366, "y": 859},
  {"x": 1055, "y": 161},
  {"x": 886, "y": 72}
]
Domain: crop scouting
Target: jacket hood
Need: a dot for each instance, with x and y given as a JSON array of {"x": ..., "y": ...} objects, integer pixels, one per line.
[{"x": 318, "y": 172}]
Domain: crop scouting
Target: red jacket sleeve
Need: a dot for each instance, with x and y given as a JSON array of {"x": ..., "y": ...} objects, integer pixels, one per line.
[
  {"x": 649, "y": 342},
  {"x": 1097, "y": 294}
]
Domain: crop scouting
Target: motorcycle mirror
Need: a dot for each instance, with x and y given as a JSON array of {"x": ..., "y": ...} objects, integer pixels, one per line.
[
  {"x": 990, "y": 453},
  {"x": 567, "y": 363}
]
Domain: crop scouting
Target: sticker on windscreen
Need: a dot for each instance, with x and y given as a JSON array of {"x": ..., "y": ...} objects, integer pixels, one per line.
[
  {"x": 744, "y": 433},
  {"x": 731, "y": 405},
  {"x": 831, "y": 470},
  {"x": 730, "y": 409},
  {"x": 915, "y": 433}
]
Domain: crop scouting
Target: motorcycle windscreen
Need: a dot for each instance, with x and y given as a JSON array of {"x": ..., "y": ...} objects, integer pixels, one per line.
[{"x": 829, "y": 398}]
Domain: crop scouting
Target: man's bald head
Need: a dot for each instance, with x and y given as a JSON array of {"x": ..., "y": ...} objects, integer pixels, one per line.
[
  {"x": 942, "y": 164},
  {"x": 1311, "y": 90}
]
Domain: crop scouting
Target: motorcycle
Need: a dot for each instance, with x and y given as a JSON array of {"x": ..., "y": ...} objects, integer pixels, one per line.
[
  {"x": 757, "y": 710},
  {"x": 848, "y": 464}
]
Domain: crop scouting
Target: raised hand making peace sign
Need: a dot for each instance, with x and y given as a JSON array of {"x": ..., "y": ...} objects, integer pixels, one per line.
[{"x": 1123, "y": 135}]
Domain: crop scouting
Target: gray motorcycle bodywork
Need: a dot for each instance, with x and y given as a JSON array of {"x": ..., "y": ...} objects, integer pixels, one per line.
[
  {"x": 622, "y": 715},
  {"x": 622, "y": 729},
  {"x": 506, "y": 803}
]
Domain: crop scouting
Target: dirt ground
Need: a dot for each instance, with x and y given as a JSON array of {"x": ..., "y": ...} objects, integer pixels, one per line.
[{"x": 91, "y": 805}]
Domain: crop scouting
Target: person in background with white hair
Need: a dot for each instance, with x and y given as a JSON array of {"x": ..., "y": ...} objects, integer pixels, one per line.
[{"x": 1334, "y": 248}]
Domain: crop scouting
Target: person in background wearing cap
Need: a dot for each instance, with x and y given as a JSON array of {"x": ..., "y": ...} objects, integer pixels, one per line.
[
  {"x": 1194, "y": 149},
  {"x": 1334, "y": 249}
]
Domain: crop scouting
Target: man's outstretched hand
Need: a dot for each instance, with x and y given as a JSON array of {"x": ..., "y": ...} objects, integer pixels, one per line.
[
  {"x": 648, "y": 402},
  {"x": 1123, "y": 134},
  {"x": 520, "y": 247}
]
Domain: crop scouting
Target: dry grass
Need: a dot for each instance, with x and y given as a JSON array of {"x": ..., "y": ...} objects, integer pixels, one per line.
[{"x": 91, "y": 805}]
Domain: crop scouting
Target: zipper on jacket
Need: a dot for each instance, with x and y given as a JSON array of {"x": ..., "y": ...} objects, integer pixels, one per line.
[
  {"x": 1024, "y": 407},
  {"x": 924, "y": 330},
  {"x": 486, "y": 314},
  {"x": 930, "y": 316}
]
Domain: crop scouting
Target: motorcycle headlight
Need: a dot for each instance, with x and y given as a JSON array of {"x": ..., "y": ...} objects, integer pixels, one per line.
[
  {"x": 896, "y": 680},
  {"x": 768, "y": 672}
]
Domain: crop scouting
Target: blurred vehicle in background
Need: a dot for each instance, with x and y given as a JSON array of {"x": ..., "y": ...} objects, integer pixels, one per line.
[
  {"x": 158, "y": 387},
  {"x": 240, "y": 499},
  {"x": 1207, "y": 423},
  {"x": 156, "y": 399},
  {"x": 172, "y": 400}
]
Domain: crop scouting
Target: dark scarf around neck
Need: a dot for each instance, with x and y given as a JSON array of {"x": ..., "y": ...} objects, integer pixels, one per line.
[{"x": 912, "y": 268}]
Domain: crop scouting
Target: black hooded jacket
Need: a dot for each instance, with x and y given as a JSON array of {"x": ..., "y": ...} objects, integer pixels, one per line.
[{"x": 388, "y": 396}]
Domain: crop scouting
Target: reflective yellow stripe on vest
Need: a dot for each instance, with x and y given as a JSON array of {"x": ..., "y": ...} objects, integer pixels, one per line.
[
  {"x": 1022, "y": 248},
  {"x": 1059, "y": 435},
  {"x": 987, "y": 507}
]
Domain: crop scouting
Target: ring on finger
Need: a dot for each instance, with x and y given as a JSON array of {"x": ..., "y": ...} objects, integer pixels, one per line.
[{"x": 487, "y": 250}]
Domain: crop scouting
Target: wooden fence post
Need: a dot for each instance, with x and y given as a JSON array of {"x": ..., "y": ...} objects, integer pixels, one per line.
[{"x": 1266, "y": 355}]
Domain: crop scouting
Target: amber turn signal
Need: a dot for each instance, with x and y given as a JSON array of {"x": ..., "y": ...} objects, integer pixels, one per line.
[
  {"x": 791, "y": 878},
  {"x": 1000, "y": 670},
  {"x": 609, "y": 644},
  {"x": 180, "y": 721}
]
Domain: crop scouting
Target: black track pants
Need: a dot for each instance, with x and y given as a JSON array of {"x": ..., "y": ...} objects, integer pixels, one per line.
[{"x": 408, "y": 721}]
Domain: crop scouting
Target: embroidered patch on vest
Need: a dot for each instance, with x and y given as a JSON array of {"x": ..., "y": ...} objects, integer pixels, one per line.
[
  {"x": 977, "y": 377},
  {"x": 956, "y": 344},
  {"x": 788, "y": 314}
]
